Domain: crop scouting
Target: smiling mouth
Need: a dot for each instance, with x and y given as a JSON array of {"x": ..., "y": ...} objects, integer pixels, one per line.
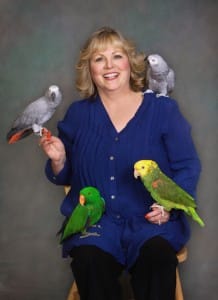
[{"x": 111, "y": 75}]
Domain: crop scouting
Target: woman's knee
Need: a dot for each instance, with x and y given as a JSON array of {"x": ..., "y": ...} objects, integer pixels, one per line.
[
  {"x": 85, "y": 253},
  {"x": 158, "y": 251},
  {"x": 92, "y": 256}
]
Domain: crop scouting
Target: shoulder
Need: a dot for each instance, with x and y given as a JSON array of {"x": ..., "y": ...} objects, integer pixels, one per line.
[
  {"x": 78, "y": 105},
  {"x": 78, "y": 110},
  {"x": 165, "y": 112},
  {"x": 74, "y": 116},
  {"x": 162, "y": 104}
]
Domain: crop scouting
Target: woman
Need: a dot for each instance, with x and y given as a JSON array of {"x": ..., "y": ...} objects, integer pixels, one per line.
[{"x": 100, "y": 139}]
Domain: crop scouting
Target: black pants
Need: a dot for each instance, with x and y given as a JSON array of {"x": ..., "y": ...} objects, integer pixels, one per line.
[{"x": 153, "y": 276}]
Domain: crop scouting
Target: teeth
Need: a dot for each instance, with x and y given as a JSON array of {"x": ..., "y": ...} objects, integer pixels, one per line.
[{"x": 111, "y": 75}]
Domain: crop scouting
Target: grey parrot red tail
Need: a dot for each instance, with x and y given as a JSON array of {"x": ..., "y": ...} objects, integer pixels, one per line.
[{"x": 14, "y": 136}]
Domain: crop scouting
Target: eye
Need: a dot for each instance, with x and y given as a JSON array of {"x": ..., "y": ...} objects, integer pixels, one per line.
[
  {"x": 98, "y": 59},
  {"x": 118, "y": 56}
]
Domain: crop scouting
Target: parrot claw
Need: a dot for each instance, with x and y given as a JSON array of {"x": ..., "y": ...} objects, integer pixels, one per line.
[
  {"x": 162, "y": 95},
  {"x": 37, "y": 129},
  {"x": 87, "y": 234},
  {"x": 41, "y": 131},
  {"x": 98, "y": 226},
  {"x": 155, "y": 205}
]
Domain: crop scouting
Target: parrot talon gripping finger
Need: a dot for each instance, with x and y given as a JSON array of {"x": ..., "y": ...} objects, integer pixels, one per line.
[
  {"x": 96, "y": 226},
  {"x": 87, "y": 234},
  {"x": 160, "y": 207},
  {"x": 41, "y": 131}
]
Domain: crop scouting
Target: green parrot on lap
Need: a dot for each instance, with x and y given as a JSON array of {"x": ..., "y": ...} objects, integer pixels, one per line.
[
  {"x": 166, "y": 193},
  {"x": 88, "y": 212}
]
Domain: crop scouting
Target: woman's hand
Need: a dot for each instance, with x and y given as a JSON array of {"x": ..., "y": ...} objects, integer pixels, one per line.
[
  {"x": 158, "y": 215},
  {"x": 54, "y": 149}
]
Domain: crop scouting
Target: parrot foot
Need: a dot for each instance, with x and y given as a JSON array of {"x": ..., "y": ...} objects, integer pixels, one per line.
[
  {"x": 41, "y": 131},
  {"x": 158, "y": 206},
  {"x": 148, "y": 91},
  {"x": 161, "y": 94},
  {"x": 37, "y": 129},
  {"x": 87, "y": 234},
  {"x": 98, "y": 226}
]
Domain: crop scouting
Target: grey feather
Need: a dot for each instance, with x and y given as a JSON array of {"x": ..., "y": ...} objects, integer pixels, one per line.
[
  {"x": 160, "y": 77},
  {"x": 37, "y": 113}
]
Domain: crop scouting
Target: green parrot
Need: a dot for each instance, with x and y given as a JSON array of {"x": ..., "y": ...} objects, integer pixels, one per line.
[
  {"x": 164, "y": 190},
  {"x": 88, "y": 211}
]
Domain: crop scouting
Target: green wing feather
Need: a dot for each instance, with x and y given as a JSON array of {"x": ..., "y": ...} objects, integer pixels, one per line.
[
  {"x": 77, "y": 221},
  {"x": 167, "y": 190},
  {"x": 96, "y": 210}
]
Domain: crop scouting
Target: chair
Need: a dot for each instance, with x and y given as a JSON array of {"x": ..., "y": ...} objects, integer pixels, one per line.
[
  {"x": 73, "y": 294},
  {"x": 181, "y": 256}
]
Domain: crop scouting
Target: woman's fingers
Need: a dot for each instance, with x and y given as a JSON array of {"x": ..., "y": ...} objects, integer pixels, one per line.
[{"x": 158, "y": 216}]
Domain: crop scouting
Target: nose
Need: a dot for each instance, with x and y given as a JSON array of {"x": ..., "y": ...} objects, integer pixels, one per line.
[{"x": 108, "y": 63}]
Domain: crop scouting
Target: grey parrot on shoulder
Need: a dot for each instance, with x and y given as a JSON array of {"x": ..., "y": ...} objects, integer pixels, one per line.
[
  {"x": 35, "y": 115},
  {"x": 160, "y": 77}
]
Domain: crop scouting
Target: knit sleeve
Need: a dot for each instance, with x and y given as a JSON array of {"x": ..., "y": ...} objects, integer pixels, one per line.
[
  {"x": 182, "y": 155},
  {"x": 66, "y": 129}
]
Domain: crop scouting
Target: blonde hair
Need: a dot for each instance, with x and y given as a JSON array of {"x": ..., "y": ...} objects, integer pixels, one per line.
[{"x": 99, "y": 41}]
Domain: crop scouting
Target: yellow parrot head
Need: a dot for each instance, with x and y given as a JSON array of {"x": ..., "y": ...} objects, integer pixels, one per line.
[{"x": 144, "y": 167}]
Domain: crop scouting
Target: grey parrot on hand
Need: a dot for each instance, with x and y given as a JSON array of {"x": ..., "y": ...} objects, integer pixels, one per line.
[
  {"x": 160, "y": 78},
  {"x": 35, "y": 115}
]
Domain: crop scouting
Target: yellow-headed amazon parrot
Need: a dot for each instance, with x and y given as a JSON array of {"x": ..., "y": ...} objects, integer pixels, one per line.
[
  {"x": 88, "y": 211},
  {"x": 164, "y": 190}
]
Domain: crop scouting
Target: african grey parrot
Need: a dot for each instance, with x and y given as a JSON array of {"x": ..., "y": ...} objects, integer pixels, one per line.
[
  {"x": 160, "y": 78},
  {"x": 33, "y": 117}
]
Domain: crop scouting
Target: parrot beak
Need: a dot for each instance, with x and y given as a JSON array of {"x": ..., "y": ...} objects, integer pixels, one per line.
[
  {"x": 82, "y": 200},
  {"x": 53, "y": 96},
  {"x": 136, "y": 174}
]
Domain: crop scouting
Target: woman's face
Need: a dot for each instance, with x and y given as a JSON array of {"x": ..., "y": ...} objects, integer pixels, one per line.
[{"x": 110, "y": 70}]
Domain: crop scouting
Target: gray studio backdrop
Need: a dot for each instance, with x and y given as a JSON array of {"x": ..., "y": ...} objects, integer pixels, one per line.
[{"x": 39, "y": 45}]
